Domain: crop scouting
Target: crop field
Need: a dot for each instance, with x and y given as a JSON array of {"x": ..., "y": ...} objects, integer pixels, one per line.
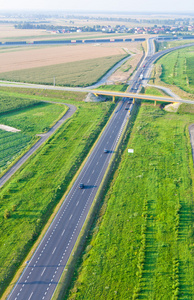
[
  {"x": 142, "y": 245},
  {"x": 41, "y": 57},
  {"x": 28, "y": 115},
  {"x": 80, "y": 73},
  {"x": 11, "y": 145},
  {"x": 31, "y": 196}
]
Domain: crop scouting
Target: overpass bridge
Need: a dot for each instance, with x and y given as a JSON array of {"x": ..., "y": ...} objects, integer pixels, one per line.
[
  {"x": 133, "y": 96},
  {"x": 96, "y": 92}
]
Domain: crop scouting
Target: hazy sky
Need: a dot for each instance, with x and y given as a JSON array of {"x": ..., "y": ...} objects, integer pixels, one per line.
[{"x": 101, "y": 5}]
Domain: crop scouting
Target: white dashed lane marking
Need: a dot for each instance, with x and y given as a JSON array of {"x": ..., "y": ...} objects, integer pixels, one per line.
[
  {"x": 43, "y": 272},
  {"x": 54, "y": 250}
]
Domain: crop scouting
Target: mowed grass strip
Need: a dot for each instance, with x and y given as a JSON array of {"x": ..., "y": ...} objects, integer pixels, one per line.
[
  {"x": 28, "y": 200},
  {"x": 9, "y": 102},
  {"x": 177, "y": 69},
  {"x": 31, "y": 120},
  {"x": 80, "y": 73},
  {"x": 153, "y": 91},
  {"x": 143, "y": 247}
]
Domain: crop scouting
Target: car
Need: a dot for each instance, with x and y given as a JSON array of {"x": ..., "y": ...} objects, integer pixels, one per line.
[
  {"x": 126, "y": 108},
  {"x": 81, "y": 186},
  {"x": 105, "y": 151}
]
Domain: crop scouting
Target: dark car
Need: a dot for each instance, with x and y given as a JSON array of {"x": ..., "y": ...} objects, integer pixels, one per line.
[
  {"x": 105, "y": 151},
  {"x": 126, "y": 108},
  {"x": 81, "y": 186}
]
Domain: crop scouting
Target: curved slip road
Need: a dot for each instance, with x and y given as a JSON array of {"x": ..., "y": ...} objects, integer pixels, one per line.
[{"x": 44, "y": 138}]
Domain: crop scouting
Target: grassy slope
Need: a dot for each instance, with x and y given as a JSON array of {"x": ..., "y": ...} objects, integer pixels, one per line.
[
  {"x": 9, "y": 102},
  {"x": 118, "y": 88},
  {"x": 176, "y": 69},
  {"x": 154, "y": 91},
  {"x": 36, "y": 118},
  {"x": 34, "y": 192},
  {"x": 165, "y": 45},
  {"x": 80, "y": 73},
  {"x": 144, "y": 244}
]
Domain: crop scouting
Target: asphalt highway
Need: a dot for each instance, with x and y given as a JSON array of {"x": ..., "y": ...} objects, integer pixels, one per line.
[{"x": 42, "y": 273}]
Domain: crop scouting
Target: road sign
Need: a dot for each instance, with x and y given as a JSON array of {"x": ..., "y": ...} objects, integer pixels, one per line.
[{"x": 130, "y": 150}]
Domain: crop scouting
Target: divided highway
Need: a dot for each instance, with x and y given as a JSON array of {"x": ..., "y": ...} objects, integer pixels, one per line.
[{"x": 44, "y": 270}]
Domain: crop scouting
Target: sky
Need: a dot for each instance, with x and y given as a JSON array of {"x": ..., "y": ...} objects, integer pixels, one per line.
[{"x": 180, "y": 6}]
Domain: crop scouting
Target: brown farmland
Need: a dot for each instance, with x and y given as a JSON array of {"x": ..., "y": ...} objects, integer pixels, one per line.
[{"x": 33, "y": 58}]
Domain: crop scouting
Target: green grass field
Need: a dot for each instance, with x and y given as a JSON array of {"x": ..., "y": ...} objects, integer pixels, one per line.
[
  {"x": 28, "y": 115},
  {"x": 159, "y": 46},
  {"x": 32, "y": 194},
  {"x": 80, "y": 73},
  {"x": 118, "y": 87},
  {"x": 143, "y": 246},
  {"x": 177, "y": 69},
  {"x": 11, "y": 102},
  {"x": 152, "y": 91}
]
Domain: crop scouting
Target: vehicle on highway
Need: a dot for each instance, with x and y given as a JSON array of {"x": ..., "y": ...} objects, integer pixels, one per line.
[
  {"x": 81, "y": 186},
  {"x": 105, "y": 151},
  {"x": 126, "y": 108}
]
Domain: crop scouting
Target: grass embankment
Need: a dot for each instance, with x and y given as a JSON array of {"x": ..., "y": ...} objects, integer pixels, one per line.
[
  {"x": 118, "y": 87},
  {"x": 143, "y": 246},
  {"x": 176, "y": 68},
  {"x": 32, "y": 194},
  {"x": 160, "y": 46},
  {"x": 80, "y": 73},
  {"x": 28, "y": 115}
]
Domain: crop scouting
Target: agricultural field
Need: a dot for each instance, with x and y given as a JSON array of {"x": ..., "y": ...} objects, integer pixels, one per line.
[
  {"x": 28, "y": 200},
  {"x": 26, "y": 58},
  {"x": 28, "y": 115},
  {"x": 141, "y": 246},
  {"x": 82, "y": 73},
  {"x": 175, "y": 70}
]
